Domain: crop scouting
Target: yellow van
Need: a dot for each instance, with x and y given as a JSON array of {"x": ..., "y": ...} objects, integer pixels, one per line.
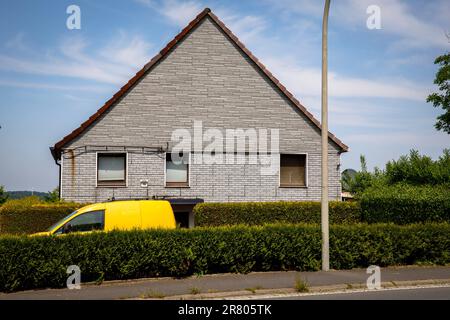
[{"x": 116, "y": 215}]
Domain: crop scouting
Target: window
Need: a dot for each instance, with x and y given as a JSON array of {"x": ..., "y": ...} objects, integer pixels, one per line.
[
  {"x": 177, "y": 172},
  {"x": 293, "y": 170},
  {"x": 111, "y": 169},
  {"x": 90, "y": 221},
  {"x": 53, "y": 226}
]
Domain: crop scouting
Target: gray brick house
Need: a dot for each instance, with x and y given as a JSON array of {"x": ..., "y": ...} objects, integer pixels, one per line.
[{"x": 206, "y": 75}]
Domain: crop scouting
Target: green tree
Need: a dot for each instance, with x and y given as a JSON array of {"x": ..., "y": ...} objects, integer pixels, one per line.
[
  {"x": 3, "y": 195},
  {"x": 442, "y": 98},
  {"x": 361, "y": 180},
  {"x": 52, "y": 196},
  {"x": 419, "y": 169}
]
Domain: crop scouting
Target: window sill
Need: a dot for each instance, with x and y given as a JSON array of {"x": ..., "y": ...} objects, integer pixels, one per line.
[
  {"x": 177, "y": 187},
  {"x": 294, "y": 187},
  {"x": 111, "y": 186}
]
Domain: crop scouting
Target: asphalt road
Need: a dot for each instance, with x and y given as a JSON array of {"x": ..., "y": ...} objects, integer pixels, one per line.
[{"x": 424, "y": 293}]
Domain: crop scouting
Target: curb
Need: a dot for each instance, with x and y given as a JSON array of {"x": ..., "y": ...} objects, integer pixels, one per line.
[{"x": 291, "y": 291}]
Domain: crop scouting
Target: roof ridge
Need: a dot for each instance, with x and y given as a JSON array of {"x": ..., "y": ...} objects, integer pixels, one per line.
[{"x": 164, "y": 51}]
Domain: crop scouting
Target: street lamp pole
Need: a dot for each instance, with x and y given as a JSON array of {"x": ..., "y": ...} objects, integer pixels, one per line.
[{"x": 324, "y": 196}]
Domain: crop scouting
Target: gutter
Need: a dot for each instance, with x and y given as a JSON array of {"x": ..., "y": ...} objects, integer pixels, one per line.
[{"x": 55, "y": 157}]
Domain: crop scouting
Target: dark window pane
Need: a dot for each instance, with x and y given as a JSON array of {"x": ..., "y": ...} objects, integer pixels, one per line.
[
  {"x": 292, "y": 170},
  {"x": 89, "y": 221}
]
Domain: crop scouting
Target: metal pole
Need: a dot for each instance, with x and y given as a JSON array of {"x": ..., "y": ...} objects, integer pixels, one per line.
[{"x": 324, "y": 204}]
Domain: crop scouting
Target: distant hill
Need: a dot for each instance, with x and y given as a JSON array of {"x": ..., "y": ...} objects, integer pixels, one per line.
[{"x": 23, "y": 194}]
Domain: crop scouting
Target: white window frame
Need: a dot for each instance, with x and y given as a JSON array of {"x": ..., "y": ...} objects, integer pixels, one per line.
[
  {"x": 188, "y": 173},
  {"x": 306, "y": 171},
  {"x": 126, "y": 169}
]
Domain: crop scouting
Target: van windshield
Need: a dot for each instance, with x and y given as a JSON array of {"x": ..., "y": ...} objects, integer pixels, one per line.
[{"x": 63, "y": 219}]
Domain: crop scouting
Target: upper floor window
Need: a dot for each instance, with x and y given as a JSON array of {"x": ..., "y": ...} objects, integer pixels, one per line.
[
  {"x": 111, "y": 169},
  {"x": 293, "y": 170},
  {"x": 177, "y": 171}
]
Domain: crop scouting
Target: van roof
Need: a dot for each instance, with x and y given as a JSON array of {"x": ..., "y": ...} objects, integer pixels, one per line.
[{"x": 166, "y": 198}]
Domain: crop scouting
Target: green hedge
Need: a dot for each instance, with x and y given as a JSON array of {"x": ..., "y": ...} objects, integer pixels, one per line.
[
  {"x": 403, "y": 204},
  {"x": 258, "y": 213},
  {"x": 30, "y": 215},
  {"x": 39, "y": 262}
]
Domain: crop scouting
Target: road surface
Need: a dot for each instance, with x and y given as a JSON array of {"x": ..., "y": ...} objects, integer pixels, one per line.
[{"x": 421, "y": 293}]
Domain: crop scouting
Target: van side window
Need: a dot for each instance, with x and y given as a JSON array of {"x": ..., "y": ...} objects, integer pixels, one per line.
[{"x": 89, "y": 221}]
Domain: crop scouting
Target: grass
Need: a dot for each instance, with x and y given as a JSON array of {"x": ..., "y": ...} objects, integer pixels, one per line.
[
  {"x": 301, "y": 285},
  {"x": 253, "y": 289},
  {"x": 195, "y": 290},
  {"x": 152, "y": 294}
]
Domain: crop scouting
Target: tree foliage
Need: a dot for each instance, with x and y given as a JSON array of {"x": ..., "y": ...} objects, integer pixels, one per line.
[
  {"x": 413, "y": 169},
  {"x": 363, "y": 179},
  {"x": 442, "y": 98},
  {"x": 419, "y": 169},
  {"x": 52, "y": 196},
  {"x": 3, "y": 195}
]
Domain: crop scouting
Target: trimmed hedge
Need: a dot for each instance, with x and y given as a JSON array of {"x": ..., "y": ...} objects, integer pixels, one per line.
[
  {"x": 30, "y": 215},
  {"x": 258, "y": 213},
  {"x": 403, "y": 204},
  {"x": 39, "y": 262}
]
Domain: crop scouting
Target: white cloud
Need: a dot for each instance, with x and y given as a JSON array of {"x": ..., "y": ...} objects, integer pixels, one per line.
[
  {"x": 397, "y": 18},
  {"x": 178, "y": 12},
  {"x": 52, "y": 86},
  {"x": 16, "y": 42},
  {"x": 307, "y": 82},
  {"x": 128, "y": 51},
  {"x": 246, "y": 27},
  {"x": 303, "y": 7},
  {"x": 113, "y": 63},
  {"x": 393, "y": 139},
  {"x": 181, "y": 12}
]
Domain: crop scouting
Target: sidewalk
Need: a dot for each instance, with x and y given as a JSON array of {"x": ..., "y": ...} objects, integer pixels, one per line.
[{"x": 249, "y": 283}]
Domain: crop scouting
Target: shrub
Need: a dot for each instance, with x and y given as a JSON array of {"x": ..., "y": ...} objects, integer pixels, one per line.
[
  {"x": 38, "y": 262},
  {"x": 258, "y": 213},
  {"x": 404, "y": 204},
  {"x": 30, "y": 214},
  {"x": 419, "y": 169}
]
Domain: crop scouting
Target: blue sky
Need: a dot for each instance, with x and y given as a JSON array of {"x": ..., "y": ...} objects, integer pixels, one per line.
[{"x": 52, "y": 78}]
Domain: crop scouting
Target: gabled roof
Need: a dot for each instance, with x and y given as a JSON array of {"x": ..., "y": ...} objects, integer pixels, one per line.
[{"x": 56, "y": 150}]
